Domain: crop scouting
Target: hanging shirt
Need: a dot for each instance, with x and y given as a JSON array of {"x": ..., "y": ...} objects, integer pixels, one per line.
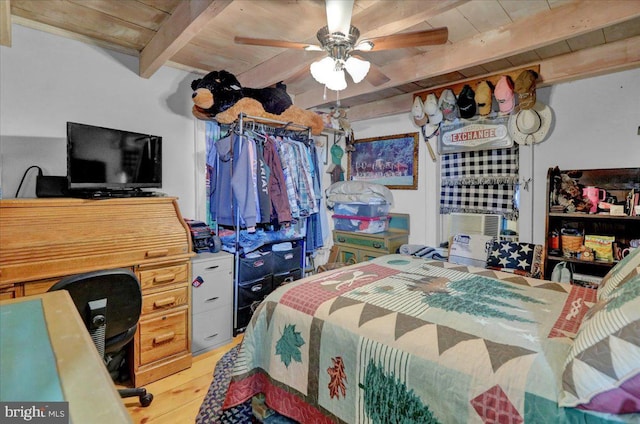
[
  {"x": 234, "y": 185},
  {"x": 281, "y": 210}
]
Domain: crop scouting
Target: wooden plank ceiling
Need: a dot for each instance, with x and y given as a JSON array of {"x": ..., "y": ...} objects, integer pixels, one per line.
[{"x": 569, "y": 39}]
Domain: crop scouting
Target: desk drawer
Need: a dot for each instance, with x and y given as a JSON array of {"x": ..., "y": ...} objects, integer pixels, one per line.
[
  {"x": 164, "y": 335},
  {"x": 164, "y": 300},
  {"x": 163, "y": 276}
]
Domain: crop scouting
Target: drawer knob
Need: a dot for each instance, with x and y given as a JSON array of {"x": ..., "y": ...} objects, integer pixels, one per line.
[
  {"x": 157, "y": 253},
  {"x": 213, "y": 336},
  {"x": 163, "y": 278},
  {"x": 342, "y": 239},
  {"x": 164, "y": 302},
  {"x": 211, "y": 299},
  {"x": 377, "y": 245},
  {"x": 163, "y": 338},
  {"x": 213, "y": 267}
]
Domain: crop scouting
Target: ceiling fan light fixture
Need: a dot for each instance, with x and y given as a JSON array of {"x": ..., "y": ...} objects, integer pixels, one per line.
[
  {"x": 329, "y": 72},
  {"x": 320, "y": 69},
  {"x": 336, "y": 81},
  {"x": 357, "y": 68}
]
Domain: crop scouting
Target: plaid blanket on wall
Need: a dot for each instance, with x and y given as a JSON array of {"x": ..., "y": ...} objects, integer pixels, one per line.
[{"x": 481, "y": 181}]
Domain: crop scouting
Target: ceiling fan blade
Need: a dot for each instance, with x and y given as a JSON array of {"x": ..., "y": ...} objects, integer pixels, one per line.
[
  {"x": 375, "y": 76},
  {"x": 339, "y": 15},
  {"x": 276, "y": 43},
  {"x": 410, "y": 39}
]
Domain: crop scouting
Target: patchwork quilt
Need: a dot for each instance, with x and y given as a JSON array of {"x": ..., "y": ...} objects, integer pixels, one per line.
[{"x": 412, "y": 340}]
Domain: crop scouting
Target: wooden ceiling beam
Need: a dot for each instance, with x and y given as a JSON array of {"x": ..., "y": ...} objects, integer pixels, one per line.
[
  {"x": 562, "y": 23},
  {"x": 5, "y": 23},
  {"x": 604, "y": 59},
  {"x": 186, "y": 21}
]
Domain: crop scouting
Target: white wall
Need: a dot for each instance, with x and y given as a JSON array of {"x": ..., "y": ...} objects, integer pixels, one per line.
[
  {"x": 595, "y": 125},
  {"x": 47, "y": 80},
  {"x": 421, "y": 204}
]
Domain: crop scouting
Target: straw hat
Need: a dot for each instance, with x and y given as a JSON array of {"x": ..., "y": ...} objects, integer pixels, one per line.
[{"x": 530, "y": 126}]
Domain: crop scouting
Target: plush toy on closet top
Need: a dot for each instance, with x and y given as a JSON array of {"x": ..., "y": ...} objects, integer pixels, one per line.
[{"x": 219, "y": 95}]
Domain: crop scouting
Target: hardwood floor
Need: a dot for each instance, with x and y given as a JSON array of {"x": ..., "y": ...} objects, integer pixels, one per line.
[{"x": 177, "y": 398}]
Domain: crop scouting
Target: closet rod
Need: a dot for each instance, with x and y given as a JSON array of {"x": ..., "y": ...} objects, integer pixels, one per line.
[{"x": 243, "y": 116}]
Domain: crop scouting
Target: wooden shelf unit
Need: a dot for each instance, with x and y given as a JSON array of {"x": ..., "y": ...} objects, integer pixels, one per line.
[
  {"x": 44, "y": 240},
  {"x": 617, "y": 182}
]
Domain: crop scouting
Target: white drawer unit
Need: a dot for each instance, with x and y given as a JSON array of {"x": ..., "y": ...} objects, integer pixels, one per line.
[{"x": 211, "y": 301}]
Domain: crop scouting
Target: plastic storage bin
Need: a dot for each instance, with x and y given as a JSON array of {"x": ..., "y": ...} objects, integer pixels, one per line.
[
  {"x": 361, "y": 224},
  {"x": 362, "y": 209}
]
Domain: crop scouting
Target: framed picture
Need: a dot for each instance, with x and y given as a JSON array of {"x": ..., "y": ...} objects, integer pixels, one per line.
[{"x": 390, "y": 160}]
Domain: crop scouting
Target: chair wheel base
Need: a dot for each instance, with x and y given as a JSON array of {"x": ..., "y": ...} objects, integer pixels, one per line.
[
  {"x": 140, "y": 392},
  {"x": 146, "y": 400}
]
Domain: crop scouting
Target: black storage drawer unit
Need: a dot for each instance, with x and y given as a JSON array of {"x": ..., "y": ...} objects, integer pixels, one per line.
[
  {"x": 244, "y": 315},
  {"x": 254, "y": 291},
  {"x": 286, "y": 277},
  {"x": 287, "y": 260},
  {"x": 260, "y": 272},
  {"x": 256, "y": 266}
]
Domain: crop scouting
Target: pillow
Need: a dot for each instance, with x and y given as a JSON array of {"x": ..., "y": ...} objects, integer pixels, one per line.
[
  {"x": 519, "y": 258},
  {"x": 628, "y": 267},
  {"x": 602, "y": 370}
]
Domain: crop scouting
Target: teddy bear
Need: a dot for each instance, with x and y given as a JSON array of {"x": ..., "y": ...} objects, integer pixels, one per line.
[{"x": 219, "y": 95}]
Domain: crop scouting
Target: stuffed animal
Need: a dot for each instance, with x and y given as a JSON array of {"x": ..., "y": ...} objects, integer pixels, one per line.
[
  {"x": 570, "y": 195},
  {"x": 219, "y": 95}
]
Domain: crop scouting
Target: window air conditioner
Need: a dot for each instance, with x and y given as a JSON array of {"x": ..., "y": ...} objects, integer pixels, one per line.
[{"x": 473, "y": 223}]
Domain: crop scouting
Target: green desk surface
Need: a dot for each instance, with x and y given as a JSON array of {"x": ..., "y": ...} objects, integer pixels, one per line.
[{"x": 28, "y": 370}]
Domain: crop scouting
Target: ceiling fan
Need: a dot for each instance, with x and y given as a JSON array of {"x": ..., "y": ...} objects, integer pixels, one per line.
[{"x": 341, "y": 40}]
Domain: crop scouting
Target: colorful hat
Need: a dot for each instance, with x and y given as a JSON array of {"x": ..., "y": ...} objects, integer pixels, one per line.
[
  {"x": 417, "y": 111},
  {"x": 530, "y": 126},
  {"x": 448, "y": 105},
  {"x": 432, "y": 110},
  {"x": 504, "y": 94},
  {"x": 484, "y": 92},
  {"x": 525, "y": 87},
  {"x": 467, "y": 102}
]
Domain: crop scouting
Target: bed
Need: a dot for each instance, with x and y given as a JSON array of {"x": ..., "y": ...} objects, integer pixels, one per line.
[{"x": 413, "y": 340}]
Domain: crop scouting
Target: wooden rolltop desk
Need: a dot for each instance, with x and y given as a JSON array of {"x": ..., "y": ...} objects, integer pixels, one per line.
[{"x": 44, "y": 240}]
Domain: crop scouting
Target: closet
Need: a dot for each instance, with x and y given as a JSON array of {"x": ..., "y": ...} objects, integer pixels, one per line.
[{"x": 265, "y": 199}]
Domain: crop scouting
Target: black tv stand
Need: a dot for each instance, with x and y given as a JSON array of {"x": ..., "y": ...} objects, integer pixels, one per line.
[{"x": 109, "y": 194}]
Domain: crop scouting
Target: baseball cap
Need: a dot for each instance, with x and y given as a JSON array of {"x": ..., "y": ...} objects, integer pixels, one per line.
[
  {"x": 525, "y": 87},
  {"x": 448, "y": 105},
  {"x": 504, "y": 94},
  {"x": 484, "y": 92},
  {"x": 467, "y": 102}
]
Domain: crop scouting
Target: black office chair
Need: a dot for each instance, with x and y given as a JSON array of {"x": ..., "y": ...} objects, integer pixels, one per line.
[{"x": 109, "y": 302}]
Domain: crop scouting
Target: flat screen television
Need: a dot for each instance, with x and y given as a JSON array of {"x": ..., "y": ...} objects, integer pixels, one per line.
[{"x": 106, "y": 159}]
